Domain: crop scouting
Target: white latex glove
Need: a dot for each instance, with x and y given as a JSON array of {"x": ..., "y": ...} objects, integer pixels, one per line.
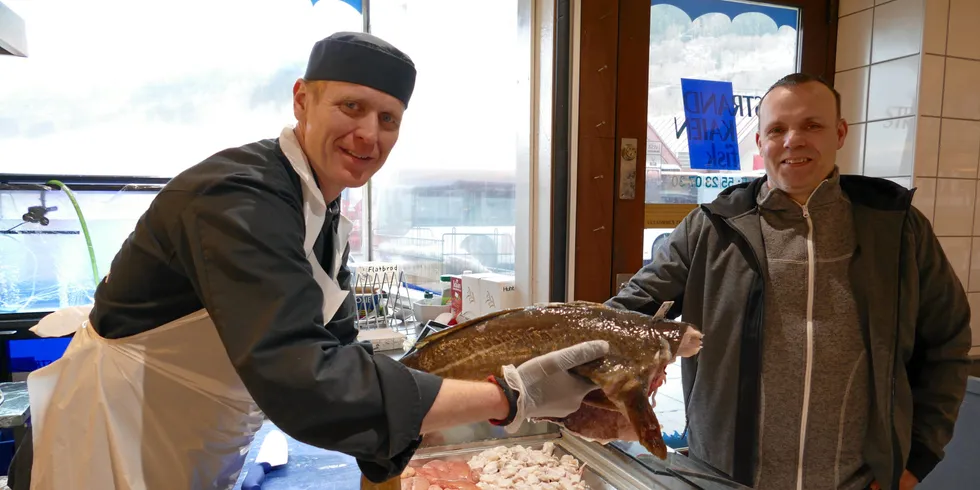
[{"x": 546, "y": 388}]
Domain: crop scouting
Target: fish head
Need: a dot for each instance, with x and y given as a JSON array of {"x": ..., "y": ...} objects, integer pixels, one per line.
[{"x": 683, "y": 338}]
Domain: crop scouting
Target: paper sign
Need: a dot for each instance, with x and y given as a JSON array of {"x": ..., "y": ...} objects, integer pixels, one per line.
[
  {"x": 665, "y": 215},
  {"x": 712, "y": 137},
  {"x": 627, "y": 168}
]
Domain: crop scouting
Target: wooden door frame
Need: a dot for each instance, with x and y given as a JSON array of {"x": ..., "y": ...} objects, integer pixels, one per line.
[{"x": 612, "y": 105}]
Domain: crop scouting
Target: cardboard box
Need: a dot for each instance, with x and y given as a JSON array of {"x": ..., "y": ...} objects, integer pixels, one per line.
[
  {"x": 472, "y": 297},
  {"x": 382, "y": 339},
  {"x": 456, "y": 301},
  {"x": 498, "y": 292}
]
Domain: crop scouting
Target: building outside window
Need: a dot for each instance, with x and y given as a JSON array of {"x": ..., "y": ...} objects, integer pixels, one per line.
[{"x": 131, "y": 89}]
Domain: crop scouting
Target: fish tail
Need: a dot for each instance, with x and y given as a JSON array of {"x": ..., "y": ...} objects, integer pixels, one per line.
[{"x": 644, "y": 422}]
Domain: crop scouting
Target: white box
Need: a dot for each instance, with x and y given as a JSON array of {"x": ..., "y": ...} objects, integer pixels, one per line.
[
  {"x": 499, "y": 292},
  {"x": 382, "y": 339},
  {"x": 472, "y": 296}
]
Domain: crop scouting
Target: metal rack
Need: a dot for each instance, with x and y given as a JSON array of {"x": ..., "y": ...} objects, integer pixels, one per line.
[{"x": 377, "y": 293}]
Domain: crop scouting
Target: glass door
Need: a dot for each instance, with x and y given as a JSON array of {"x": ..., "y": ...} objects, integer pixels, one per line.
[{"x": 710, "y": 63}]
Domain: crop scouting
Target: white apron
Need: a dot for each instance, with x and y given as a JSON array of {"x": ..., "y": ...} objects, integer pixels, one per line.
[{"x": 160, "y": 410}]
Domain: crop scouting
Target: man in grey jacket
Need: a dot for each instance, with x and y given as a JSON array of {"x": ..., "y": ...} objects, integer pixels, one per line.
[{"x": 836, "y": 332}]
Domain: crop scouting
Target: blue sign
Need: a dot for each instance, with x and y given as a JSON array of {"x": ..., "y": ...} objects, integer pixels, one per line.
[
  {"x": 712, "y": 137},
  {"x": 353, "y": 3},
  {"x": 782, "y": 16},
  {"x": 26, "y": 355}
]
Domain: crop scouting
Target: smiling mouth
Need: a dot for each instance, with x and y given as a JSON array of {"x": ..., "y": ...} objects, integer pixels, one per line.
[
  {"x": 355, "y": 155},
  {"x": 797, "y": 161}
]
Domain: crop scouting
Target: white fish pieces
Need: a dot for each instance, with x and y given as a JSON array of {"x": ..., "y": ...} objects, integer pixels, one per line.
[{"x": 520, "y": 468}]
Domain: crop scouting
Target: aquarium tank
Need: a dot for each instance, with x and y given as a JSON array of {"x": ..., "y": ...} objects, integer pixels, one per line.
[{"x": 58, "y": 240}]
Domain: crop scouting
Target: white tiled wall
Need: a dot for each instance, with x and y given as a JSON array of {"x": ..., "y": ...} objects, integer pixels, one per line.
[{"x": 909, "y": 76}]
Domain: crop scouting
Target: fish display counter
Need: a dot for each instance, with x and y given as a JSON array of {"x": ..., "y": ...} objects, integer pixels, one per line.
[
  {"x": 482, "y": 456},
  {"x": 627, "y": 378},
  {"x": 555, "y": 453},
  {"x": 546, "y": 456}
]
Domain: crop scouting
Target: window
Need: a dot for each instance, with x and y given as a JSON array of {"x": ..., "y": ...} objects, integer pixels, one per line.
[
  {"x": 50, "y": 266},
  {"x": 121, "y": 88},
  {"x": 750, "y": 46},
  {"x": 445, "y": 200},
  {"x": 116, "y": 87}
]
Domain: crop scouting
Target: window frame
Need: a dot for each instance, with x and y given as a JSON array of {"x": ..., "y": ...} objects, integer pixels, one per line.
[{"x": 606, "y": 232}]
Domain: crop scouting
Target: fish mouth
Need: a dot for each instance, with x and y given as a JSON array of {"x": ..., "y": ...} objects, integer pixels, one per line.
[
  {"x": 691, "y": 342},
  {"x": 656, "y": 382}
]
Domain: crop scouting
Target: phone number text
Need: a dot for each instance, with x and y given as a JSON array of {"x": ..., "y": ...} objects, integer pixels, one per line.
[{"x": 706, "y": 181}]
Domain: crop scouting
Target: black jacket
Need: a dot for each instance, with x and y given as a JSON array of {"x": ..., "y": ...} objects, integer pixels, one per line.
[{"x": 227, "y": 235}]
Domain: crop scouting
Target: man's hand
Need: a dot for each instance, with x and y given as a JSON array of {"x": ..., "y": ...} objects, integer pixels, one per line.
[
  {"x": 546, "y": 388},
  {"x": 908, "y": 482}
]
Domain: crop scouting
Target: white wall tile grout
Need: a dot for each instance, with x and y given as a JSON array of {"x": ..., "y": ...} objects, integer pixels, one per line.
[
  {"x": 955, "y": 203},
  {"x": 883, "y": 62},
  {"x": 942, "y": 95},
  {"x": 883, "y": 119},
  {"x": 865, "y": 9},
  {"x": 963, "y": 58},
  {"x": 948, "y": 118},
  {"x": 856, "y": 12},
  {"x": 864, "y": 143},
  {"x": 867, "y": 98},
  {"x": 947, "y": 178},
  {"x": 949, "y": 15}
]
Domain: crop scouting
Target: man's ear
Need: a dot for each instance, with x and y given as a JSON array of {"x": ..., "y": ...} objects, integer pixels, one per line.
[
  {"x": 842, "y": 129},
  {"x": 301, "y": 99}
]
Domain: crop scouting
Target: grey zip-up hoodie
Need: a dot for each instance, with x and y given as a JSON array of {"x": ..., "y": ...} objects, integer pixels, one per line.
[
  {"x": 815, "y": 397},
  {"x": 912, "y": 310}
]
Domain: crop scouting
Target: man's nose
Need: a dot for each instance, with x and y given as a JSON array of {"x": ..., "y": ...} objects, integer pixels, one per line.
[
  {"x": 794, "y": 139},
  {"x": 367, "y": 130}
]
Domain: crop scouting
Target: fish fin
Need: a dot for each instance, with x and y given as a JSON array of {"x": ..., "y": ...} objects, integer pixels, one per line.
[
  {"x": 469, "y": 323},
  {"x": 461, "y": 326},
  {"x": 662, "y": 311},
  {"x": 608, "y": 373},
  {"x": 582, "y": 302},
  {"x": 597, "y": 424},
  {"x": 559, "y": 304},
  {"x": 598, "y": 398},
  {"x": 637, "y": 409}
]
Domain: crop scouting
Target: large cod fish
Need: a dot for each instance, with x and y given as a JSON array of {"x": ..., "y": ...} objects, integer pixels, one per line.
[{"x": 640, "y": 348}]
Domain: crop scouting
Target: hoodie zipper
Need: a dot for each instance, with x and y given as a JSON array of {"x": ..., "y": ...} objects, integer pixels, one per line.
[{"x": 811, "y": 261}]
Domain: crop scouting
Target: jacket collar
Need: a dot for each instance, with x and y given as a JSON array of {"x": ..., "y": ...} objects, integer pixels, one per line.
[
  {"x": 875, "y": 193},
  {"x": 293, "y": 152},
  {"x": 828, "y": 192}
]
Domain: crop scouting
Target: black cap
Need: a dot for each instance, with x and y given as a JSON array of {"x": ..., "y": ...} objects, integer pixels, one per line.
[{"x": 357, "y": 57}]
